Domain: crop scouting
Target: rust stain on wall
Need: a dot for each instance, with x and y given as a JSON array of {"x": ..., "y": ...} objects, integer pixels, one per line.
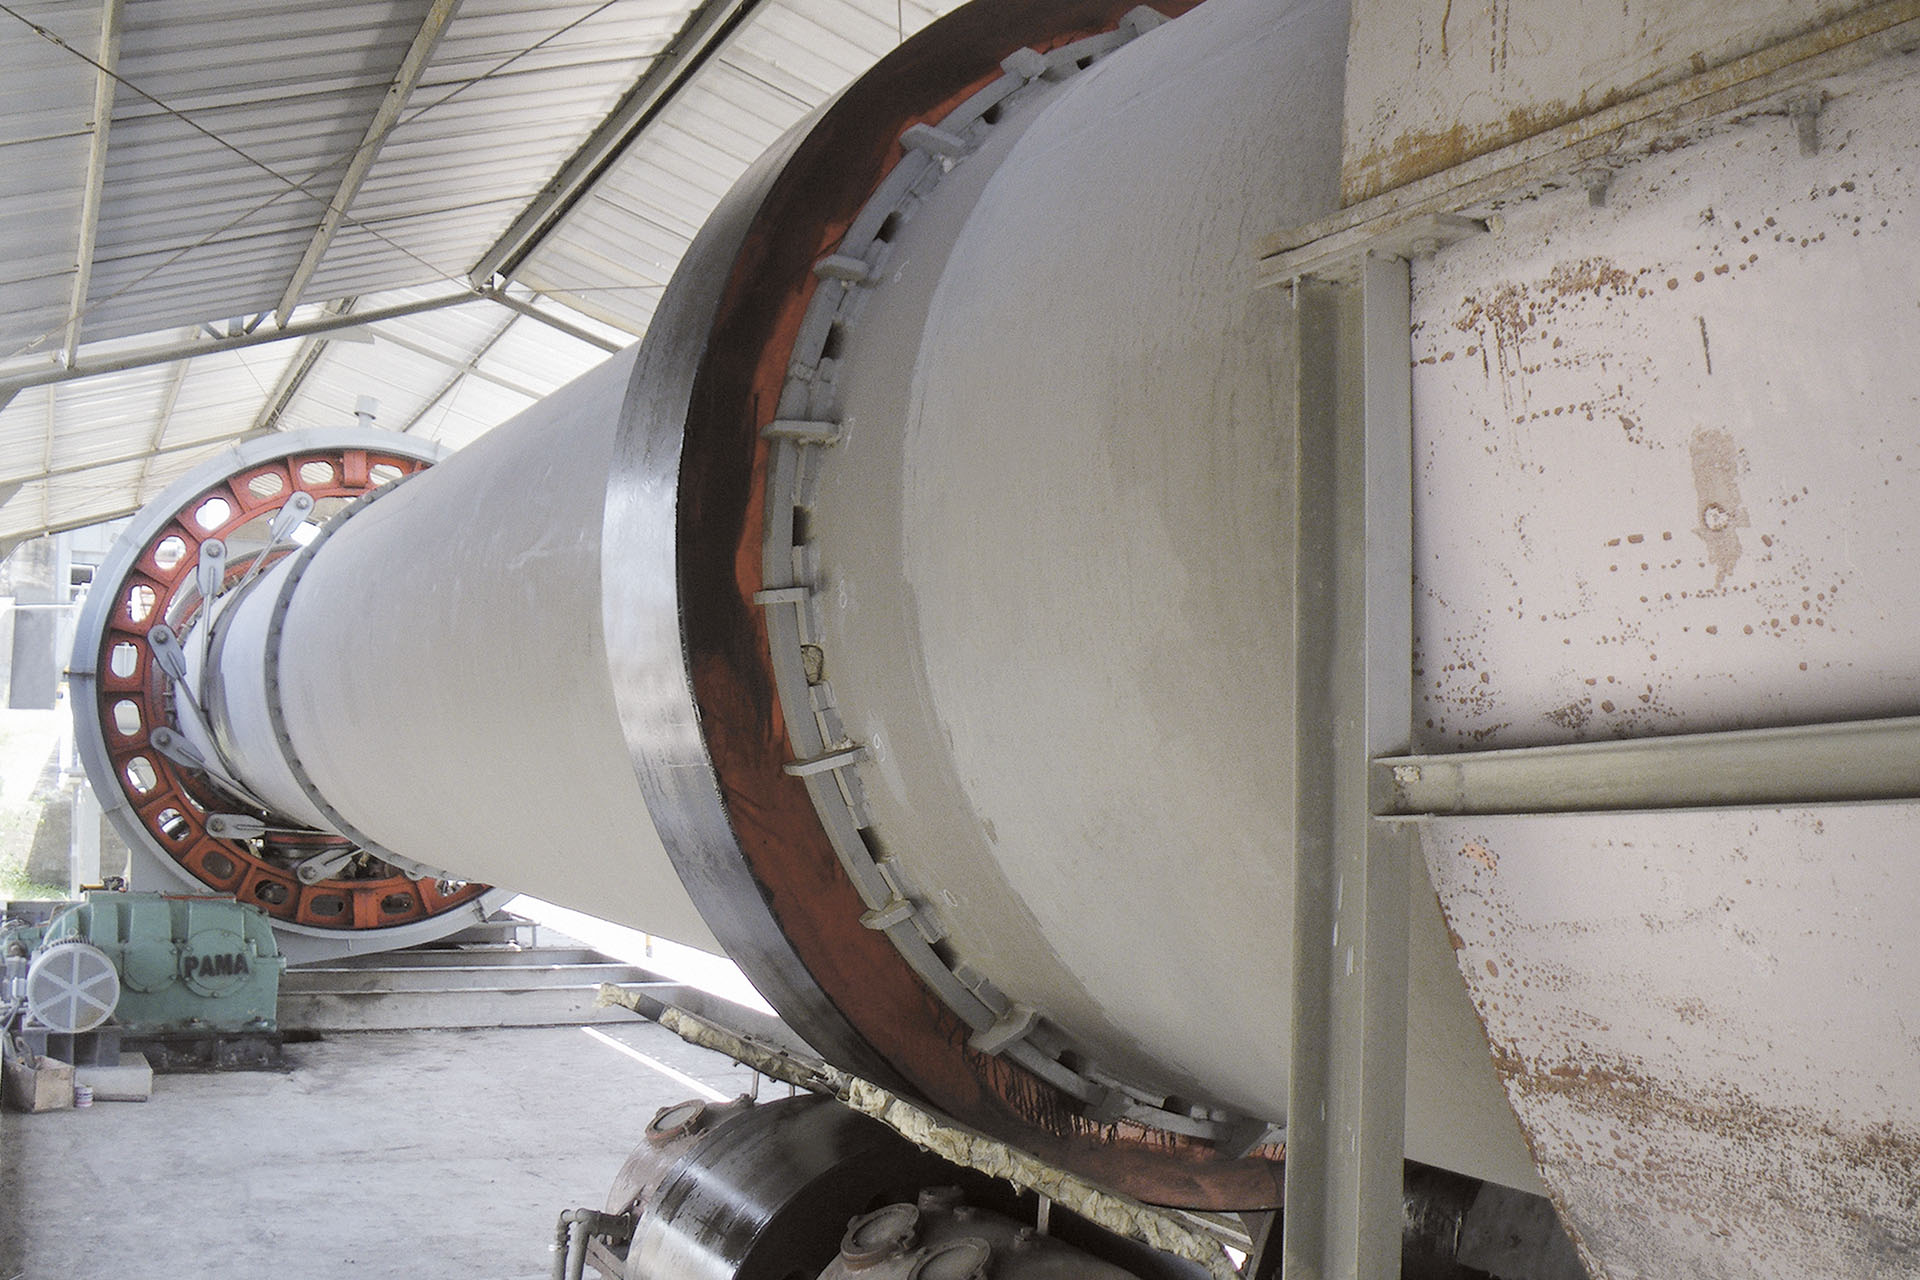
[
  {"x": 1716, "y": 482},
  {"x": 1522, "y": 83},
  {"x": 1420, "y": 152},
  {"x": 1692, "y": 1151},
  {"x": 1481, "y": 854},
  {"x": 1505, "y": 315}
]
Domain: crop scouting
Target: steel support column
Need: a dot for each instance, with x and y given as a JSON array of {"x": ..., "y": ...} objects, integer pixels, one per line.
[{"x": 1352, "y": 638}]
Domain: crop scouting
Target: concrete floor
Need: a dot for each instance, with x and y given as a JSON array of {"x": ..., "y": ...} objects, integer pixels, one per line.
[{"x": 423, "y": 1155}]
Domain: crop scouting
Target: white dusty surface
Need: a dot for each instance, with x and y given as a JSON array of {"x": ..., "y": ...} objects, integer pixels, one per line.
[{"x": 431, "y": 1155}]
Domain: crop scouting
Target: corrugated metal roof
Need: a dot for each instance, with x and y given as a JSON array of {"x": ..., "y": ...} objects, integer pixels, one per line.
[
  {"x": 46, "y": 99},
  {"x": 506, "y": 95},
  {"x": 221, "y": 394},
  {"x": 619, "y": 245},
  {"x": 253, "y": 106},
  {"x": 233, "y": 125}
]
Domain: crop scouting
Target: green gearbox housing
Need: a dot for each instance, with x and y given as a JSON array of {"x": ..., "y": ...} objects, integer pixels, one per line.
[{"x": 186, "y": 963}]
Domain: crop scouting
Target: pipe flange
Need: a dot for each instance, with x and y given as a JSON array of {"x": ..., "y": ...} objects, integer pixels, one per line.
[
  {"x": 875, "y": 1237},
  {"x": 964, "y": 1259},
  {"x": 672, "y": 1123},
  {"x": 693, "y": 472}
]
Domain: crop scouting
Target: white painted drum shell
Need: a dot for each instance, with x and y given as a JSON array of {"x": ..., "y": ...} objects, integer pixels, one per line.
[
  {"x": 499, "y": 755},
  {"x": 1055, "y": 559}
]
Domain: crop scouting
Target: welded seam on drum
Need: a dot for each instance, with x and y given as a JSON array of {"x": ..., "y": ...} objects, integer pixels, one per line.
[{"x": 829, "y": 761}]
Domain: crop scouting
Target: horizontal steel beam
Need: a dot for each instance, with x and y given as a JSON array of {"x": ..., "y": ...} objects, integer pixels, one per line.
[
  {"x": 212, "y": 346},
  {"x": 1803, "y": 764},
  {"x": 467, "y": 365},
  {"x": 462, "y": 371},
  {"x": 118, "y": 460},
  {"x": 9, "y": 541},
  {"x": 1588, "y": 143}
]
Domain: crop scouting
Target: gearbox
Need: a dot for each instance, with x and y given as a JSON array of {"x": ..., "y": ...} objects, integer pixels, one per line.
[{"x": 180, "y": 963}]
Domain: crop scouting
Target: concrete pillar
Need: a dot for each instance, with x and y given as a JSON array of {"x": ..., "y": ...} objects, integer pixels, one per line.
[{"x": 39, "y": 573}]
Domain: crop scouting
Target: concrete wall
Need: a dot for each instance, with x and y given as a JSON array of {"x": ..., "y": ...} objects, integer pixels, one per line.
[{"x": 1431, "y": 83}]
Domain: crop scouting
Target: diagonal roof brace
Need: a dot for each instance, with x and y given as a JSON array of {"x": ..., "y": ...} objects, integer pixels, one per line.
[
  {"x": 470, "y": 368},
  {"x": 169, "y": 401},
  {"x": 111, "y": 18},
  {"x": 412, "y": 68},
  {"x": 145, "y": 455},
  {"x": 552, "y": 321},
  {"x": 296, "y": 373},
  {"x": 705, "y": 31}
]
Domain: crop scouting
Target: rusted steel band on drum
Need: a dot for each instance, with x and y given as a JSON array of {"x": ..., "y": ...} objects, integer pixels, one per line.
[{"x": 721, "y": 512}]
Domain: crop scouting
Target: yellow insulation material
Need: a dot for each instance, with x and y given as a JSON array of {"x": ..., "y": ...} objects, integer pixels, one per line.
[
  {"x": 947, "y": 1140},
  {"x": 996, "y": 1159}
]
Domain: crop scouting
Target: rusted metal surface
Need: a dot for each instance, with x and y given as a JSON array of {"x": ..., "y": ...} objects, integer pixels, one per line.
[
  {"x": 669, "y": 1137},
  {"x": 805, "y": 212},
  {"x": 767, "y": 1191},
  {"x": 1700, "y": 1020},
  {"x": 1665, "y": 477},
  {"x": 1433, "y": 84}
]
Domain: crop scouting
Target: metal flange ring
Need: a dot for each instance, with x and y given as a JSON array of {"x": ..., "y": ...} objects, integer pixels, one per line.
[{"x": 123, "y": 698}]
